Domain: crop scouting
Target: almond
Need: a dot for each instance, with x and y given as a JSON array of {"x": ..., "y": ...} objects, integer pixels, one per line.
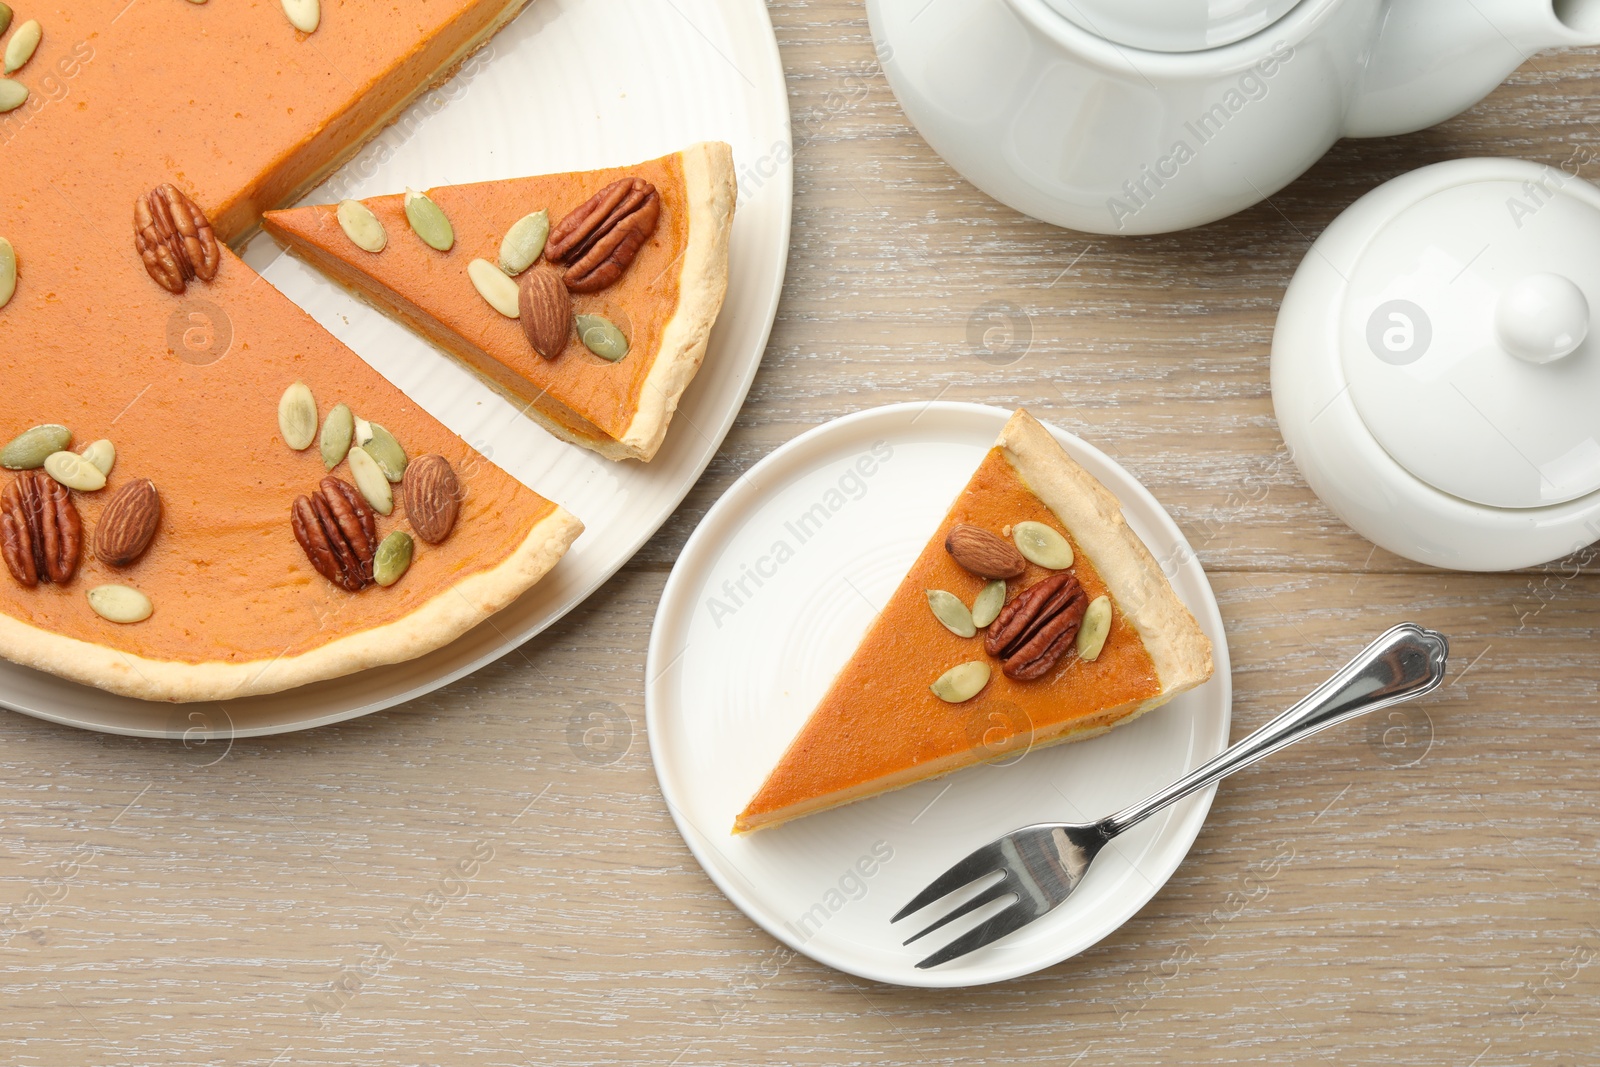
[
  {"x": 986, "y": 554},
  {"x": 545, "y": 309},
  {"x": 432, "y": 497},
  {"x": 128, "y": 523}
]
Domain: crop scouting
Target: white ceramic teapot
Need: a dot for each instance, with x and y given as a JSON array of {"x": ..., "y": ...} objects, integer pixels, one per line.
[{"x": 1145, "y": 116}]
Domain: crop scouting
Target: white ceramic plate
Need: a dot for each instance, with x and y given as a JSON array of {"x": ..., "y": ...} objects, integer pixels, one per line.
[
  {"x": 738, "y": 662},
  {"x": 547, "y": 94}
]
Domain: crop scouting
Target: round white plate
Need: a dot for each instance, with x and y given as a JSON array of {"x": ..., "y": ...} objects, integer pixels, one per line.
[
  {"x": 744, "y": 646},
  {"x": 546, "y": 94}
]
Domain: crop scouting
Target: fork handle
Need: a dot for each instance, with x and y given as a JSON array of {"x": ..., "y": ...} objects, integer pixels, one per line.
[{"x": 1406, "y": 662}]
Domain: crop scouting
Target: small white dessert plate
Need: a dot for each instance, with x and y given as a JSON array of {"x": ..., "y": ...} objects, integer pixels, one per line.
[{"x": 766, "y": 603}]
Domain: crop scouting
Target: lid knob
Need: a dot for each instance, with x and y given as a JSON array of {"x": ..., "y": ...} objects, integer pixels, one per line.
[{"x": 1542, "y": 317}]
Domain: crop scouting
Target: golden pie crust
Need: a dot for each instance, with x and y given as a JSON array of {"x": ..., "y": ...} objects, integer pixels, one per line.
[{"x": 437, "y": 622}]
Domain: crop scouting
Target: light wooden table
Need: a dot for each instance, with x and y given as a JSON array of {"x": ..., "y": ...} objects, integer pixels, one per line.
[{"x": 1435, "y": 891}]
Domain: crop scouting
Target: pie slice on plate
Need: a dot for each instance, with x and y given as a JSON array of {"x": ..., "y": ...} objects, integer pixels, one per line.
[
  {"x": 918, "y": 699},
  {"x": 643, "y": 248}
]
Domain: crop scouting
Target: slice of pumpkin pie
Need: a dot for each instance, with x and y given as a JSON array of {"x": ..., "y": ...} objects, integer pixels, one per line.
[
  {"x": 1033, "y": 616},
  {"x": 586, "y": 297}
]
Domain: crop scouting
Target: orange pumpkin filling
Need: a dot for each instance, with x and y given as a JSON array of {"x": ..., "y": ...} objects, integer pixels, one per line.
[{"x": 881, "y": 727}]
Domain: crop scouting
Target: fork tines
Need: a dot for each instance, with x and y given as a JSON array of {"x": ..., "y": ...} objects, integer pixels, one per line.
[{"x": 982, "y": 863}]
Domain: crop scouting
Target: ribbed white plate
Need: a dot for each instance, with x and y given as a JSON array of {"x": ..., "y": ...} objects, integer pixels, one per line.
[
  {"x": 569, "y": 85},
  {"x": 749, "y": 635}
]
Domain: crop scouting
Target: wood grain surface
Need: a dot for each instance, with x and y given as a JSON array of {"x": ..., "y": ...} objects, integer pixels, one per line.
[{"x": 1435, "y": 895}]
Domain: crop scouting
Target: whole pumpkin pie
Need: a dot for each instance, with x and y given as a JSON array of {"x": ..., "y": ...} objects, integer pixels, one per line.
[
  {"x": 1033, "y": 616},
  {"x": 636, "y": 257},
  {"x": 202, "y": 553}
]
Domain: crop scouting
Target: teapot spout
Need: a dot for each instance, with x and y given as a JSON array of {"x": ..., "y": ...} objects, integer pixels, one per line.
[{"x": 1436, "y": 58}]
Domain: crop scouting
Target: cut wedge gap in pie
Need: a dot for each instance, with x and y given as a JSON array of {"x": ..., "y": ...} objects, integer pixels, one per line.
[
  {"x": 881, "y": 725},
  {"x": 643, "y": 249}
]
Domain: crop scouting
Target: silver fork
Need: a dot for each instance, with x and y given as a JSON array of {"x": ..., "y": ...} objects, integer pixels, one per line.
[{"x": 1041, "y": 865}]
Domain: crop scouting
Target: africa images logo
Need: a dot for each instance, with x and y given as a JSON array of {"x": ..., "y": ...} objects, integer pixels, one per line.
[
  {"x": 1141, "y": 189},
  {"x": 1399, "y": 332},
  {"x": 850, "y": 486}
]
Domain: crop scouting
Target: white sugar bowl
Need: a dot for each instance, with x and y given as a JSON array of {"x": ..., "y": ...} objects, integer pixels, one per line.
[{"x": 1436, "y": 365}]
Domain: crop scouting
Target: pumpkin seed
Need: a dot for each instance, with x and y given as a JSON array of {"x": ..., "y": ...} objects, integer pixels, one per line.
[
  {"x": 361, "y": 226},
  {"x": 74, "y": 472},
  {"x": 393, "y": 558},
  {"x": 337, "y": 430},
  {"x": 5, "y": 17},
  {"x": 102, "y": 454},
  {"x": 371, "y": 481},
  {"x": 523, "y": 243},
  {"x": 1095, "y": 629},
  {"x": 428, "y": 221},
  {"x": 120, "y": 603},
  {"x": 986, "y": 608},
  {"x": 1043, "y": 545},
  {"x": 21, "y": 47},
  {"x": 28, "y": 450},
  {"x": 949, "y": 610},
  {"x": 381, "y": 445},
  {"x": 12, "y": 95},
  {"x": 8, "y": 271},
  {"x": 601, "y": 337},
  {"x": 297, "y": 416},
  {"x": 962, "y": 683},
  {"x": 499, "y": 291},
  {"x": 304, "y": 15}
]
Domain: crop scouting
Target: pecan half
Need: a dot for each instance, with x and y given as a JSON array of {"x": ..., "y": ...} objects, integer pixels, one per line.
[
  {"x": 338, "y": 532},
  {"x": 598, "y": 241},
  {"x": 1032, "y": 632},
  {"x": 174, "y": 238},
  {"x": 41, "y": 534}
]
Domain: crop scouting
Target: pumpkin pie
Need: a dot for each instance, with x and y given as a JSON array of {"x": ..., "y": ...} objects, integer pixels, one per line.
[
  {"x": 238, "y": 109},
  {"x": 662, "y": 301},
  {"x": 1088, "y": 634}
]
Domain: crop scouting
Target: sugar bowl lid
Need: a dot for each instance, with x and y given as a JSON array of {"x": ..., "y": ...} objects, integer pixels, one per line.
[
  {"x": 1465, "y": 332},
  {"x": 1173, "y": 25}
]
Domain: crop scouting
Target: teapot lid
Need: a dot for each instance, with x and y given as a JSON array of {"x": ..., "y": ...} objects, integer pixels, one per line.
[
  {"x": 1465, "y": 332},
  {"x": 1173, "y": 25}
]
